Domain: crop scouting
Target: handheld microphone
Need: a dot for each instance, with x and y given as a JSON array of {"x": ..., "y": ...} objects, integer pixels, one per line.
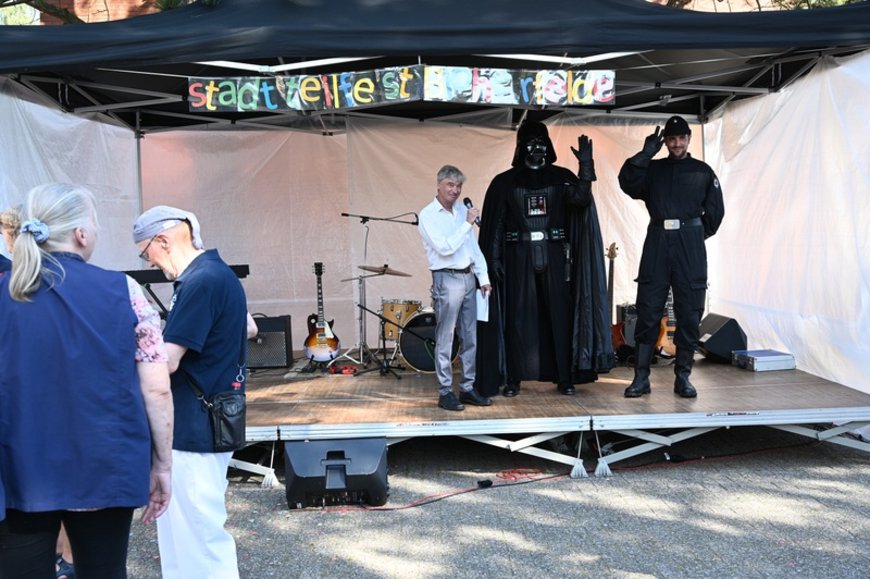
[{"x": 468, "y": 204}]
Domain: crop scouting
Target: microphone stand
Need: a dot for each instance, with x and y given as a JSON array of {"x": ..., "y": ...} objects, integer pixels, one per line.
[
  {"x": 363, "y": 350},
  {"x": 395, "y": 219}
]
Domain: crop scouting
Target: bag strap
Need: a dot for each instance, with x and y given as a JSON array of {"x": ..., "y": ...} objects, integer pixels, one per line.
[
  {"x": 196, "y": 389},
  {"x": 194, "y": 385}
]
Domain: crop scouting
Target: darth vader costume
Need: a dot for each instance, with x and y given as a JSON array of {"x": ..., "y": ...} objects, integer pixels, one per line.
[{"x": 539, "y": 232}]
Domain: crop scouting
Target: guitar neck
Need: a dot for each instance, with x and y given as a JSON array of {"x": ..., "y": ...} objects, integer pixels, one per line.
[
  {"x": 610, "y": 291},
  {"x": 320, "y": 316}
]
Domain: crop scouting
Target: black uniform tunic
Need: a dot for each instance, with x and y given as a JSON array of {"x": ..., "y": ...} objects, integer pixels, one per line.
[{"x": 688, "y": 190}]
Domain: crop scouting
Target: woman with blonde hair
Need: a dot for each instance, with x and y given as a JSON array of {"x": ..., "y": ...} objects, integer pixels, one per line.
[
  {"x": 86, "y": 419},
  {"x": 10, "y": 221}
]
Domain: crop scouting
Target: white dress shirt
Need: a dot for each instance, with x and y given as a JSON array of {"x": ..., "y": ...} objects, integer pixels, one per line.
[{"x": 449, "y": 240}]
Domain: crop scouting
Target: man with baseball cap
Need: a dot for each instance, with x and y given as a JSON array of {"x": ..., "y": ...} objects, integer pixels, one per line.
[
  {"x": 684, "y": 201},
  {"x": 205, "y": 337}
]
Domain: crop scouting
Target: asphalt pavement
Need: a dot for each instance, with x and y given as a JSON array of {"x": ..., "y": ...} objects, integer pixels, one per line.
[{"x": 742, "y": 502}]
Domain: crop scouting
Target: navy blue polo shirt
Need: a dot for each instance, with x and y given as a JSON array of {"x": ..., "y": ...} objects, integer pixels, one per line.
[
  {"x": 207, "y": 315},
  {"x": 5, "y": 264}
]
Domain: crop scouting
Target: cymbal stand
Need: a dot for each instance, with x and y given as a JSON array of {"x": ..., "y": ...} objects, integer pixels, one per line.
[{"x": 362, "y": 349}]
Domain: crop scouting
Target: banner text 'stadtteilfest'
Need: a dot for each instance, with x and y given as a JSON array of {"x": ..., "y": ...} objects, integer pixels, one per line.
[{"x": 349, "y": 90}]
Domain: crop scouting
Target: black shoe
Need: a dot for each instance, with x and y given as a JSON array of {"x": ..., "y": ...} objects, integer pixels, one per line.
[
  {"x": 473, "y": 398},
  {"x": 511, "y": 389},
  {"x": 566, "y": 389},
  {"x": 449, "y": 402}
]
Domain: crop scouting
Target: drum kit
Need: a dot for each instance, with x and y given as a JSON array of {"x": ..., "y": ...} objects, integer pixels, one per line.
[{"x": 405, "y": 322}]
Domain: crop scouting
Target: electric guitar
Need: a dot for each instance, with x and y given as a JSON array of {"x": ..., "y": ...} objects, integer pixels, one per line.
[
  {"x": 322, "y": 344},
  {"x": 616, "y": 330},
  {"x": 665, "y": 346}
]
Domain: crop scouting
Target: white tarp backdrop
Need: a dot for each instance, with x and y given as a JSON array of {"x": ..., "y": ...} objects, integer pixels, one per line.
[{"x": 791, "y": 261}]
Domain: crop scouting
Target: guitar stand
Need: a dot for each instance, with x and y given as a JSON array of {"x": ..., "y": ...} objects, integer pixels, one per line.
[
  {"x": 314, "y": 365},
  {"x": 383, "y": 364}
]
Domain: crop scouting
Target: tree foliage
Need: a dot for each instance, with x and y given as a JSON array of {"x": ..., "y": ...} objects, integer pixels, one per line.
[{"x": 44, "y": 7}]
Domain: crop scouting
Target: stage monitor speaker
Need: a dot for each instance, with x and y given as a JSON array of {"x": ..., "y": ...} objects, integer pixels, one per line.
[
  {"x": 720, "y": 336},
  {"x": 319, "y": 473},
  {"x": 273, "y": 346}
]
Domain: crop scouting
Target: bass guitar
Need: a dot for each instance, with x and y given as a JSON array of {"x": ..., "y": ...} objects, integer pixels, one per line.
[
  {"x": 322, "y": 344},
  {"x": 617, "y": 336}
]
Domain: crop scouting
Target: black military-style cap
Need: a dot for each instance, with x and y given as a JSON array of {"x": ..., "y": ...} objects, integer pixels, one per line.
[{"x": 676, "y": 125}]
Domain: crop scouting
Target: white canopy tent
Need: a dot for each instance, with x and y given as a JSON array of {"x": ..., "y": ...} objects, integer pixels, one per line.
[{"x": 791, "y": 262}]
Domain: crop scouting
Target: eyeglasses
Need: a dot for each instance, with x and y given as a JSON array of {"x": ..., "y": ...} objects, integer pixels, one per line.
[{"x": 144, "y": 253}]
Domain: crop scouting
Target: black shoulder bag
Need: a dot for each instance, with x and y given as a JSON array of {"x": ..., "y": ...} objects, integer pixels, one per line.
[{"x": 226, "y": 410}]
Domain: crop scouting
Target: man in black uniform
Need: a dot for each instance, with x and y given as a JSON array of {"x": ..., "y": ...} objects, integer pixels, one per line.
[
  {"x": 539, "y": 233},
  {"x": 685, "y": 205}
]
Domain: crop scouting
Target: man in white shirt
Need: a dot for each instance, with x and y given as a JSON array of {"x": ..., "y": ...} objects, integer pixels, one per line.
[{"x": 457, "y": 265}]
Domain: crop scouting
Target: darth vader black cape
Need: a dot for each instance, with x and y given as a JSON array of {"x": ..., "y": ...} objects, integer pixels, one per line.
[{"x": 588, "y": 310}]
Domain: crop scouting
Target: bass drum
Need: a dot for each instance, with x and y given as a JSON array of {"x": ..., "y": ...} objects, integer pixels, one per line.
[{"x": 417, "y": 342}]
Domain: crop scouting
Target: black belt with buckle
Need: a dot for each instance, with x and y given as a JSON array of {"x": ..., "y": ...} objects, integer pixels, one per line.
[
  {"x": 553, "y": 234},
  {"x": 450, "y": 270},
  {"x": 672, "y": 224}
]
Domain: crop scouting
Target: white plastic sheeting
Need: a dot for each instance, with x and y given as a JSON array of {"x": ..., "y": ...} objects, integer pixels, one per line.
[
  {"x": 794, "y": 251},
  {"x": 790, "y": 262},
  {"x": 39, "y": 145}
]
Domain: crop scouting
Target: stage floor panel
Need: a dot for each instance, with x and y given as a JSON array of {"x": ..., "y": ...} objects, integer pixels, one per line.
[
  {"x": 375, "y": 399},
  {"x": 321, "y": 406},
  {"x": 726, "y": 395}
]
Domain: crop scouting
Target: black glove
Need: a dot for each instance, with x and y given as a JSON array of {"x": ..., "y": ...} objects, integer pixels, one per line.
[
  {"x": 583, "y": 152},
  {"x": 653, "y": 144},
  {"x": 498, "y": 270}
]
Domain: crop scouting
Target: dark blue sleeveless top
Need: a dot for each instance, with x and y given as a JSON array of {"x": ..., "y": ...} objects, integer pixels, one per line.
[{"x": 73, "y": 428}]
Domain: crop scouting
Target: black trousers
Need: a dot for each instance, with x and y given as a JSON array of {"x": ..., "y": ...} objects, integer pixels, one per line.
[
  {"x": 99, "y": 541},
  {"x": 677, "y": 260}
]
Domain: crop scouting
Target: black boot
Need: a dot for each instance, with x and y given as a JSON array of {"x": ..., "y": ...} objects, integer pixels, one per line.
[
  {"x": 511, "y": 389},
  {"x": 566, "y": 388},
  {"x": 682, "y": 369},
  {"x": 640, "y": 384}
]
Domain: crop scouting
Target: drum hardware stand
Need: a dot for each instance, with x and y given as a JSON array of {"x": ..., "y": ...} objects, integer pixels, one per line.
[
  {"x": 362, "y": 349},
  {"x": 384, "y": 365}
]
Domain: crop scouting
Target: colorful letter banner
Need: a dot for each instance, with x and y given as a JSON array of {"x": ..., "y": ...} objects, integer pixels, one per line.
[
  {"x": 519, "y": 87},
  {"x": 349, "y": 90},
  {"x": 343, "y": 90}
]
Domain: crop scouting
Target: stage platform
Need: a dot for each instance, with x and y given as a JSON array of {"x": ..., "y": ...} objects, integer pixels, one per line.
[{"x": 291, "y": 406}]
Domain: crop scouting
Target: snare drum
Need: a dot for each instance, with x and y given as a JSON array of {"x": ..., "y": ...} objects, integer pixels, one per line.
[
  {"x": 398, "y": 312},
  {"x": 417, "y": 342}
]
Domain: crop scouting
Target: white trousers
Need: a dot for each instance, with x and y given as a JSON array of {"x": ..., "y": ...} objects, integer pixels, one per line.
[{"x": 191, "y": 536}]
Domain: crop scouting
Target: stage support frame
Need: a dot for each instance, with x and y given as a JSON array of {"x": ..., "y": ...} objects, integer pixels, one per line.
[{"x": 796, "y": 422}]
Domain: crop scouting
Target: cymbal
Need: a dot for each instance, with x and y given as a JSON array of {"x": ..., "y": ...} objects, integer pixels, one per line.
[{"x": 384, "y": 270}]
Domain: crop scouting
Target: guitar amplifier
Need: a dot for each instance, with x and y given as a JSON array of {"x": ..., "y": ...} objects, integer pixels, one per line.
[
  {"x": 626, "y": 314},
  {"x": 273, "y": 346},
  {"x": 625, "y": 311}
]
